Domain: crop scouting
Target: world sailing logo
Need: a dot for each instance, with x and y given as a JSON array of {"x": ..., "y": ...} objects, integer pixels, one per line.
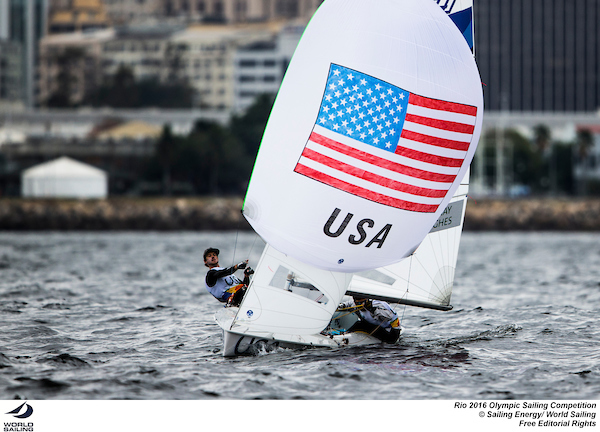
[
  {"x": 24, "y": 415},
  {"x": 20, "y": 414}
]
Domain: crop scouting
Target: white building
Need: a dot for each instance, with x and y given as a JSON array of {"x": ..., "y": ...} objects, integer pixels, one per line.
[
  {"x": 206, "y": 57},
  {"x": 64, "y": 178},
  {"x": 202, "y": 55},
  {"x": 259, "y": 67},
  {"x": 140, "y": 48}
]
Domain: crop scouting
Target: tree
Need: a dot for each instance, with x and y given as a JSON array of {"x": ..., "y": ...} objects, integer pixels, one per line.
[
  {"x": 67, "y": 62},
  {"x": 123, "y": 91},
  {"x": 118, "y": 90},
  {"x": 249, "y": 127},
  {"x": 213, "y": 158},
  {"x": 526, "y": 160},
  {"x": 542, "y": 137},
  {"x": 223, "y": 158},
  {"x": 585, "y": 142},
  {"x": 165, "y": 152}
]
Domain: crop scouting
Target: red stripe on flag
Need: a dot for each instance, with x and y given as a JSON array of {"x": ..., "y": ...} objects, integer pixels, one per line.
[
  {"x": 439, "y": 142},
  {"x": 381, "y": 162},
  {"x": 441, "y": 105},
  {"x": 429, "y": 158},
  {"x": 364, "y": 193},
  {"x": 372, "y": 177},
  {"x": 440, "y": 124}
]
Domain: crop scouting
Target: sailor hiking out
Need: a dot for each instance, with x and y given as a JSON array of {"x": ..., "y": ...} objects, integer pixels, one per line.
[
  {"x": 377, "y": 318},
  {"x": 222, "y": 283}
]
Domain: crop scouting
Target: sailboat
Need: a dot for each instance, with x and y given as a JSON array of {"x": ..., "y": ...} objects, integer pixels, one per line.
[{"x": 367, "y": 148}]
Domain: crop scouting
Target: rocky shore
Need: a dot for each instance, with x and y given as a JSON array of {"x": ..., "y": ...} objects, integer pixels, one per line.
[
  {"x": 131, "y": 214},
  {"x": 535, "y": 214},
  {"x": 171, "y": 214}
]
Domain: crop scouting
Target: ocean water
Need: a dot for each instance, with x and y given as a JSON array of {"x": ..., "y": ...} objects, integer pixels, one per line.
[{"x": 102, "y": 316}]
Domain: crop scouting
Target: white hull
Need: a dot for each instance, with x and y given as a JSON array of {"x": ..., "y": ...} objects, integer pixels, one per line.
[{"x": 239, "y": 343}]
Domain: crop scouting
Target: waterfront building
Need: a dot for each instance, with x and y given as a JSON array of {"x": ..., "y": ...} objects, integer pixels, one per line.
[
  {"x": 239, "y": 11},
  {"x": 539, "y": 55},
  {"x": 10, "y": 73},
  {"x": 23, "y": 22},
  {"x": 204, "y": 56},
  {"x": 67, "y": 16},
  {"x": 259, "y": 67},
  {"x": 140, "y": 48}
]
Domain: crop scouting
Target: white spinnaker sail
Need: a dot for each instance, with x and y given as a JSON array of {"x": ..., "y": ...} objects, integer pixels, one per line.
[
  {"x": 288, "y": 297},
  {"x": 426, "y": 277},
  {"x": 374, "y": 125}
]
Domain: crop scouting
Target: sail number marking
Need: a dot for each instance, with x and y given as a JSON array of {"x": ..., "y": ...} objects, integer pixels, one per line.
[{"x": 361, "y": 227}]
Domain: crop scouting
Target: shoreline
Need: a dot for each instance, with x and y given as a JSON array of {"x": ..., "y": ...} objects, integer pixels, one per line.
[
  {"x": 534, "y": 214},
  {"x": 220, "y": 214}
]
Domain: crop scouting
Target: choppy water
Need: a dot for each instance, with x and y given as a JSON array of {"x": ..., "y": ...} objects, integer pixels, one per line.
[{"x": 126, "y": 316}]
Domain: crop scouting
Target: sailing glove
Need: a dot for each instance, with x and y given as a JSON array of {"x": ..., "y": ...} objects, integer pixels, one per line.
[
  {"x": 248, "y": 271},
  {"x": 242, "y": 265}
]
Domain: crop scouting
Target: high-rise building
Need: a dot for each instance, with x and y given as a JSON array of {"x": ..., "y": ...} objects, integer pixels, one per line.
[
  {"x": 10, "y": 72},
  {"x": 259, "y": 67},
  {"x": 539, "y": 55},
  {"x": 23, "y": 23}
]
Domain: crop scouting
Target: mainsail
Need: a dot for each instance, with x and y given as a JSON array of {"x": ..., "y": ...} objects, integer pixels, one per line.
[
  {"x": 373, "y": 128},
  {"x": 426, "y": 277}
]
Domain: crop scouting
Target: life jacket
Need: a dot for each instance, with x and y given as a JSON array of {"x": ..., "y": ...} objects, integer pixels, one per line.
[{"x": 224, "y": 287}]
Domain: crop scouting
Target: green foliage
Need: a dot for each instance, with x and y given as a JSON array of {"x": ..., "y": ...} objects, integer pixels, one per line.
[
  {"x": 563, "y": 157},
  {"x": 212, "y": 159},
  {"x": 545, "y": 166},
  {"x": 249, "y": 127},
  {"x": 67, "y": 61},
  {"x": 123, "y": 91},
  {"x": 527, "y": 160}
]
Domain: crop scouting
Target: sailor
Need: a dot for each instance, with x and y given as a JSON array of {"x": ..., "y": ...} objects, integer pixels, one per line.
[
  {"x": 222, "y": 283},
  {"x": 377, "y": 318}
]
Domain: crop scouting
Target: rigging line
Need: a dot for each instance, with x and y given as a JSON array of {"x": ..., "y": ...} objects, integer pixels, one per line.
[
  {"x": 426, "y": 270},
  {"x": 344, "y": 315},
  {"x": 437, "y": 296},
  {"x": 407, "y": 288},
  {"x": 252, "y": 247},
  {"x": 444, "y": 256},
  {"x": 435, "y": 256},
  {"x": 237, "y": 231},
  {"x": 443, "y": 252},
  {"x": 453, "y": 253}
]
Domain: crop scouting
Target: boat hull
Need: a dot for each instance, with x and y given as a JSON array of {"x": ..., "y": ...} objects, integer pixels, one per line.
[{"x": 240, "y": 343}]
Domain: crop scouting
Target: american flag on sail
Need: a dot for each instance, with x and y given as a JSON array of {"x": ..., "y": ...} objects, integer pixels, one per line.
[{"x": 385, "y": 144}]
